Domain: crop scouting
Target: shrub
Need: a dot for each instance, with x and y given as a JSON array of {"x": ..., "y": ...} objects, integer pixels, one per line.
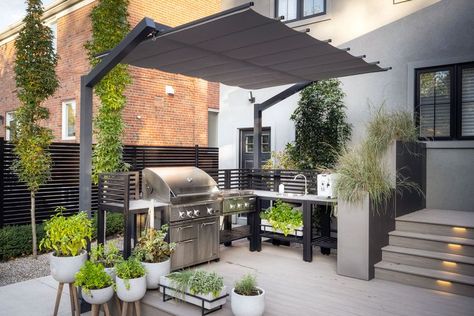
[
  {"x": 15, "y": 241},
  {"x": 108, "y": 255},
  {"x": 247, "y": 286},
  {"x": 92, "y": 277},
  {"x": 198, "y": 282},
  {"x": 283, "y": 217},
  {"x": 152, "y": 246},
  {"x": 129, "y": 269},
  {"x": 114, "y": 224}
]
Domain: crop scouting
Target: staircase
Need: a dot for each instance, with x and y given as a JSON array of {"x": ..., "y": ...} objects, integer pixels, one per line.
[{"x": 432, "y": 249}]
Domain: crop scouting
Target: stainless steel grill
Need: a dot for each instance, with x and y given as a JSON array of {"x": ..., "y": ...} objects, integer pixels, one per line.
[{"x": 193, "y": 212}]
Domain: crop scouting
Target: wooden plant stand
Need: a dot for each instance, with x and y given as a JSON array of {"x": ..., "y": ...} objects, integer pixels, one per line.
[
  {"x": 75, "y": 310},
  {"x": 96, "y": 309},
  {"x": 138, "y": 311}
]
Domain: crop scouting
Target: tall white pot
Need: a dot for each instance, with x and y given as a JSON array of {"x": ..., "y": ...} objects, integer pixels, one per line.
[
  {"x": 99, "y": 296},
  {"x": 64, "y": 269},
  {"x": 134, "y": 292},
  {"x": 248, "y": 305},
  {"x": 154, "y": 271}
]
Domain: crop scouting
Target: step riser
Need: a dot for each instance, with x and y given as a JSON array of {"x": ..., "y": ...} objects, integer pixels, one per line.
[
  {"x": 428, "y": 263},
  {"x": 425, "y": 282},
  {"x": 431, "y": 245},
  {"x": 443, "y": 230}
]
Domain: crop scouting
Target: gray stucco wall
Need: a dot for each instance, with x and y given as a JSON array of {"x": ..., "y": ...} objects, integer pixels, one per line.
[{"x": 406, "y": 36}]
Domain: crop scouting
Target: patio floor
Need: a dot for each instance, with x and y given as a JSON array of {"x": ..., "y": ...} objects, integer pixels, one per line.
[{"x": 294, "y": 287}]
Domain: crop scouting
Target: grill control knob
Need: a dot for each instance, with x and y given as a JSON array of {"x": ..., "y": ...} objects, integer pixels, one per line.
[
  {"x": 239, "y": 205},
  {"x": 210, "y": 211},
  {"x": 232, "y": 206},
  {"x": 189, "y": 213},
  {"x": 197, "y": 212},
  {"x": 181, "y": 214},
  {"x": 246, "y": 204}
]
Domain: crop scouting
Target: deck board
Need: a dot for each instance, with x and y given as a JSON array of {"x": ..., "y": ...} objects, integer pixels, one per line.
[
  {"x": 294, "y": 287},
  {"x": 441, "y": 217}
]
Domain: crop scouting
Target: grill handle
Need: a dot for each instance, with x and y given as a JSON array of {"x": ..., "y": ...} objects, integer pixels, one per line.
[
  {"x": 207, "y": 224},
  {"x": 184, "y": 227}
]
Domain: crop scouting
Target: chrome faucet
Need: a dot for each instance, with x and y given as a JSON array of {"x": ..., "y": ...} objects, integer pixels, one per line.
[{"x": 305, "y": 182}]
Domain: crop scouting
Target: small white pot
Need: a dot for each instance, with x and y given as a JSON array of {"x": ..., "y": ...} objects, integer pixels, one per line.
[
  {"x": 111, "y": 272},
  {"x": 135, "y": 292},
  {"x": 64, "y": 269},
  {"x": 247, "y": 305},
  {"x": 99, "y": 296},
  {"x": 154, "y": 271}
]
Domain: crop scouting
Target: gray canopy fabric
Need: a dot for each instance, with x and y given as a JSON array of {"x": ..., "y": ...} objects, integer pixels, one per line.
[{"x": 247, "y": 50}]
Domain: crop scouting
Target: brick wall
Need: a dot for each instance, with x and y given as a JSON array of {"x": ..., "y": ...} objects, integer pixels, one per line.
[{"x": 152, "y": 117}]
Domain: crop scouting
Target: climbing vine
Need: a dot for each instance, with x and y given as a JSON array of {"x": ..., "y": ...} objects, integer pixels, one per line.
[
  {"x": 109, "y": 27},
  {"x": 36, "y": 80}
]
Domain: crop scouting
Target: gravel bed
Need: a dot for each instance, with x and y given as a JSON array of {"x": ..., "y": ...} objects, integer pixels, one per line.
[{"x": 23, "y": 269}]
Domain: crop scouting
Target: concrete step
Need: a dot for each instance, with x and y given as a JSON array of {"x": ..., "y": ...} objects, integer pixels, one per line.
[
  {"x": 437, "y": 243},
  {"x": 438, "y": 222},
  {"x": 429, "y": 259},
  {"x": 427, "y": 278}
]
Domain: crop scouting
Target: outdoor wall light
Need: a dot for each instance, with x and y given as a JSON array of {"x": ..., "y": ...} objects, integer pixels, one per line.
[
  {"x": 169, "y": 90},
  {"x": 251, "y": 97}
]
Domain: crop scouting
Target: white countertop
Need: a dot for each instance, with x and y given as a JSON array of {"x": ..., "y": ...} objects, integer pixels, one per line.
[
  {"x": 144, "y": 204},
  {"x": 292, "y": 196}
]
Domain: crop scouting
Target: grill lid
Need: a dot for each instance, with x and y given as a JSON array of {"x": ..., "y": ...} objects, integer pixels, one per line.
[{"x": 164, "y": 183}]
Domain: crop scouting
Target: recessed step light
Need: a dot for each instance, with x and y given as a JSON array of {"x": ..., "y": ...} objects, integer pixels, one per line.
[
  {"x": 459, "y": 229},
  {"x": 454, "y": 246},
  {"x": 443, "y": 283},
  {"x": 449, "y": 263}
]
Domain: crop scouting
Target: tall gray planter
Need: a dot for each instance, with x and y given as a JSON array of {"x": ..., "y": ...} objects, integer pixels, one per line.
[{"x": 362, "y": 229}]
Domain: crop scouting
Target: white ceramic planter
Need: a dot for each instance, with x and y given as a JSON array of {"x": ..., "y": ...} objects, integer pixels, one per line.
[
  {"x": 167, "y": 282},
  {"x": 135, "y": 292},
  {"x": 247, "y": 305},
  {"x": 64, "y": 269},
  {"x": 111, "y": 272},
  {"x": 99, "y": 296},
  {"x": 298, "y": 232},
  {"x": 154, "y": 271}
]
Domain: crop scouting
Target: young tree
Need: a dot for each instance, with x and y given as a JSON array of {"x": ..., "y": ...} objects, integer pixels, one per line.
[
  {"x": 109, "y": 27},
  {"x": 321, "y": 127},
  {"x": 36, "y": 80}
]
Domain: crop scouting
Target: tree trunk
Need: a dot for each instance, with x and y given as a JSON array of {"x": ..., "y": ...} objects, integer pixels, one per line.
[{"x": 33, "y": 225}]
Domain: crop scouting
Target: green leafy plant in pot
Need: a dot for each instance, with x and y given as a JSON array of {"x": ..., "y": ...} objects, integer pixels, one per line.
[
  {"x": 154, "y": 253},
  {"x": 107, "y": 255},
  {"x": 96, "y": 284},
  {"x": 67, "y": 237},
  {"x": 283, "y": 218},
  {"x": 130, "y": 281},
  {"x": 247, "y": 299}
]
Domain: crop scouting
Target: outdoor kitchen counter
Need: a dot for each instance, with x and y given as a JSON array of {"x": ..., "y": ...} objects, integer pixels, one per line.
[{"x": 307, "y": 202}]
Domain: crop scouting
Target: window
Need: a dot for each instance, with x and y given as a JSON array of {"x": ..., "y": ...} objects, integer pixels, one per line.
[
  {"x": 69, "y": 120},
  {"x": 9, "y": 117},
  {"x": 445, "y": 102},
  {"x": 54, "y": 29},
  {"x": 299, "y": 9}
]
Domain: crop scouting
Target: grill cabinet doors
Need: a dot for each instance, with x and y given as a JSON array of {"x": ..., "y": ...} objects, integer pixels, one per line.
[{"x": 208, "y": 239}]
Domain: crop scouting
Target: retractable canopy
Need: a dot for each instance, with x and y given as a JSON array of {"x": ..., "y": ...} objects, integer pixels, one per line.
[{"x": 247, "y": 50}]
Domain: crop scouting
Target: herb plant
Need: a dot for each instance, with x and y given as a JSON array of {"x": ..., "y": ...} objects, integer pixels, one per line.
[
  {"x": 152, "y": 247},
  {"x": 197, "y": 282},
  {"x": 247, "y": 286},
  {"x": 67, "y": 236},
  {"x": 283, "y": 217},
  {"x": 92, "y": 277},
  {"x": 129, "y": 269},
  {"x": 108, "y": 255}
]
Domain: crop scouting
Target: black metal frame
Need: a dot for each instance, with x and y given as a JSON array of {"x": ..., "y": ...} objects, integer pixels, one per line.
[
  {"x": 300, "y": 10},
  {"x": 455, "y": 99},
  {"x": 204, "y": 311}
]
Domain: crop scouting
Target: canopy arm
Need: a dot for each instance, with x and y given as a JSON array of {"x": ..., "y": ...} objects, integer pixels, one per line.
[{"x": 257, "y": 117}]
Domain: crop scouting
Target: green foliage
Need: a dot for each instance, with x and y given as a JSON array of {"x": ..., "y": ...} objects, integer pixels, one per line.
[
  {"x": 282, "y": 159},
  {"x": 15, "y": 241},
  {"x": 247, "y": 286},
  {"x": 109, "y": 27},
  {"x": 92, "y": 276},
  {"x": 321, "y": 127},
  {"x": 361, "y": 170},
  {"x": 114, "y": 224},
  {"x": 283, "y": 217},
  {"x": 107, "y": 256},
  {"x": 152, "y": 247},
  {"x": 67, "y": 236},
  {"x": 129, "y": 269},
  {"x": 197, "y": 282}
]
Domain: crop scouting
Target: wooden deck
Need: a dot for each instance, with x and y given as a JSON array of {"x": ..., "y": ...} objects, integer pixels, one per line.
[
  {"x": 441, "y": 217},
  {"x": 294, "y": 287}
]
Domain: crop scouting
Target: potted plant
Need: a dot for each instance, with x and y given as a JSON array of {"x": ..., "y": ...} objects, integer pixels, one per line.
[
  {"x": 108, "y": 256},
  {"x": 130, "y": 280},
  {"x": 206, "y": 285},
  {"x": 283, "y": 218},
  {"x": 247, "y": 299},
  {"x": 96, "y": 284},
  {"x": 154, "y": 253},
  {"x": 67, "y": 237}
]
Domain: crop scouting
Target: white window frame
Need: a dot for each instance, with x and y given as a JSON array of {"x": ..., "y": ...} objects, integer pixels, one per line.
[
  {"x": 9, "y": 117},
  {"x": 53, "y": 25},
  {"x": 64, "y": 115}
]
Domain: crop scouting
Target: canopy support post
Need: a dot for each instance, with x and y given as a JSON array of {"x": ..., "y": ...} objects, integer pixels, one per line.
[{"x": 257, "y": 117}]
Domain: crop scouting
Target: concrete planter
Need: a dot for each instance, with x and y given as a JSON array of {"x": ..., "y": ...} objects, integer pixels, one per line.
[
  {"x": 248, "y": 305},
  {"x": 99, "y": 296},
  {"x": 134, "y": 292},
  {"x": 154, "y": 271},
  {"x": 64, "y": 269},
  {"x": 111, "y": 272}
]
